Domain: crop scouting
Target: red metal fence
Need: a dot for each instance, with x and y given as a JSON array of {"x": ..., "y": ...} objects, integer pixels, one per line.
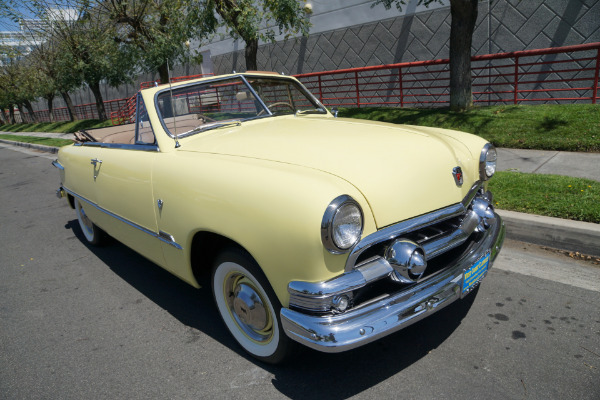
[
  {"x": 559, "y": 74},
  {"x": 83, "y": 111}
]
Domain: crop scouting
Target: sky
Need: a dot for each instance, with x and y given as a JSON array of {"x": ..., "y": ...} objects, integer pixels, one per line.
[{"x": 24, "y": 8}]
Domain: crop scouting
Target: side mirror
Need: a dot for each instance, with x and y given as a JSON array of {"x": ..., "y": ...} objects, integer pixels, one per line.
[{"x": 334, "y": 110}]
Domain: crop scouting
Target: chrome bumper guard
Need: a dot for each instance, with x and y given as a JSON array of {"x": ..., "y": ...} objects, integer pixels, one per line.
[{"x": 362, "y": 325}]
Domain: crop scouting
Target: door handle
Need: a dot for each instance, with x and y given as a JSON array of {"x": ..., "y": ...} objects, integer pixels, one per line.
[{"x": 95, "y": 161}]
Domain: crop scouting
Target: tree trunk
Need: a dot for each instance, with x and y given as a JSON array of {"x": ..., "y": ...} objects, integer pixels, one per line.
[
  {"x": 29, "y": 108},
  {"x": 22, "y": 113},
  {"x": 95, "y": 88},
  {"x": 11, "y": 112},
  {"x": 163, "y": 73},
  {"x": 70, "y": 108},
  {"x": 3, "y": 116},
  {"x": 250, "y": 54},
  {"x": 464, "y": 16},
  {"x": 50, "y": 100}
]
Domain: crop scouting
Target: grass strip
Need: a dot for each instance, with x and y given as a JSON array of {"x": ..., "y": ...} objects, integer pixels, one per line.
[
  {"x": 38, "y": 140},
  {"x": 566, "y": 127},
  {"x": 550, "y": 195},
  {"x": 56, "y": 127}
]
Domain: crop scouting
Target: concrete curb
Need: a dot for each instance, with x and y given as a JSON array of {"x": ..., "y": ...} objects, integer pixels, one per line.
[
  {"x": 564, "y": 234},
  {"x": 33, "y": 146}
]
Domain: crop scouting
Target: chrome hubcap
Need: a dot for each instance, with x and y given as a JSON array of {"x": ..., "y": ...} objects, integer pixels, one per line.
[{"x": 247, "y": 307}]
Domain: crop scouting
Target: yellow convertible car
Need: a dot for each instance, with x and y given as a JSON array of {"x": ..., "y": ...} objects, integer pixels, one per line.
[{"x": 314, "y": 229}]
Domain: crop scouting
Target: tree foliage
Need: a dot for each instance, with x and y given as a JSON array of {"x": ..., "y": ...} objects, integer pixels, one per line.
[
  {"x": 71, "y": 46},
  {"x": 253, "y": 20},
  {"x": 158, "y": 30},
  {"x": 464, "y": 16}
]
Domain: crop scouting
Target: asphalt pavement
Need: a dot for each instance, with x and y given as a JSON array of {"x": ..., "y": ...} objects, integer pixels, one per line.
[
  {"x": 84, "y": 322},
  {"x": 575, "y": 236}
]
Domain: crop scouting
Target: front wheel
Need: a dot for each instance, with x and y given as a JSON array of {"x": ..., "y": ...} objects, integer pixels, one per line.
[
  {"x": 92, "y": 233},
  {"x": 249, "y": 307}
]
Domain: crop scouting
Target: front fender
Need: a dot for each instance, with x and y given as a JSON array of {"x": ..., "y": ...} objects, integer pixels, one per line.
[{"x": 273, "y": 210}]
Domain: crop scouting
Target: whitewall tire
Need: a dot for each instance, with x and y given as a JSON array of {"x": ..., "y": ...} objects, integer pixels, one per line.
[
  {"x": 92, "y": 233},
  {"x": 249, "y": 307}
]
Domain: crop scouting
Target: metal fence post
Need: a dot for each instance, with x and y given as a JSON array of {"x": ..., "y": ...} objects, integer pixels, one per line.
[
  {"x": 401, "y": 87},
  {"x": 516, "y": 79},
  {"x": 357, "y": 90},
  {"x": 595, "y": 89},
  {"x": 320, "y": 89}
]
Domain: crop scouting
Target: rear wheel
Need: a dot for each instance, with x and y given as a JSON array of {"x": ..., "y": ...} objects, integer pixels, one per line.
[
  {"x": 92, "y": 233},
  {"x": 249, "y": 307}
]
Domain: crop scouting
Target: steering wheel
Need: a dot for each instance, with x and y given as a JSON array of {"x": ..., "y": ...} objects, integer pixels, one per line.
[{"x": 281, "y": 103}]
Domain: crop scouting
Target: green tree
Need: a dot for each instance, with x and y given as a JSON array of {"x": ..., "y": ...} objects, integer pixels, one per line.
[
  {"x": 55, "y": 75},
  {"x": 464, "y": 16},
  {"x": 159, "y": 30},
  {"x": 83, "y": 47},
  {"x": 253, "y": 20},
  {"x": 89, "y": 51},
  {"x": 19, "y": 86}
]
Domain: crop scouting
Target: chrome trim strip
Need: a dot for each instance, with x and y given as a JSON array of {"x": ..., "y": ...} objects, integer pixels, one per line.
[
  {"x": 256, "y": 96},
  {"x": 482, "y": 161},
  {"x": 410, "y": 225},
  {"x": 327, "y": 223},
  {"x": 317, "y": 296},
  {"x": 121, "y": 146},
  {"x": 58, "y": 165},
  {"x": 453, "y": 239},
  {"x": 169, "y": 240},
  {"x": 357, "y": 327}
]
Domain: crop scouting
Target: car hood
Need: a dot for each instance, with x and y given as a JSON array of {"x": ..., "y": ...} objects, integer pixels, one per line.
[{"x": 403, "y": 171}]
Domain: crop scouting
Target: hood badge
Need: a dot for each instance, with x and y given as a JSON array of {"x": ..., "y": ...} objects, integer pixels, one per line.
[{"x": 458, "y": 176}]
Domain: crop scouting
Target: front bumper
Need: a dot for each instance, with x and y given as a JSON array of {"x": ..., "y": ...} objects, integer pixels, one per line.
[{"x": 356, "y": 327}]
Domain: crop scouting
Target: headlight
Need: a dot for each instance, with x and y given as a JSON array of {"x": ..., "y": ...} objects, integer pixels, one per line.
[
  {"x": 342, "y": 225},
  {"x": 487, "y": 162}
]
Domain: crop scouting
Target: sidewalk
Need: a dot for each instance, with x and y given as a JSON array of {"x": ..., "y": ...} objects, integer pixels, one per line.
[
  {"x": 580, "y": 165},
  {"x": 583, "y": 237},
  {"x": 41, "y": 134}
]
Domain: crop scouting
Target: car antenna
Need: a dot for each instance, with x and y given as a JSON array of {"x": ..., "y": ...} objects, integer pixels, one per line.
[{"x": 177, "y": 145}]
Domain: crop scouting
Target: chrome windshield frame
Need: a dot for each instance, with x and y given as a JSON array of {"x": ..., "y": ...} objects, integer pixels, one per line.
[{"x": 243, "y": 78}]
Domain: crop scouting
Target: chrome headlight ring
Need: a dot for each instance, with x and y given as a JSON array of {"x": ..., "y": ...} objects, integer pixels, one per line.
[
  {"x": 342, "y": 225},
  {"x": 487, "y": 162}
]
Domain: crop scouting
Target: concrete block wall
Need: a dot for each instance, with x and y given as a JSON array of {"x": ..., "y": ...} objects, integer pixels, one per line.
[
  {"x": 502, "y": 26},
  {"x": 416, "y": 34}
]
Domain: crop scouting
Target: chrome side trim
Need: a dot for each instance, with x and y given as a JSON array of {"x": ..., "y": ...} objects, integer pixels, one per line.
[
  {"x": 166, "y": 238},
  {"x": 410, "y": 225},
  {"x": 58, "y": 165},
  {"x": 357, "y": 327}
]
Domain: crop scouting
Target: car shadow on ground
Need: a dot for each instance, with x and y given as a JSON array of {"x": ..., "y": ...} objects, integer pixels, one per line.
[{"x": 309, "y": 374}]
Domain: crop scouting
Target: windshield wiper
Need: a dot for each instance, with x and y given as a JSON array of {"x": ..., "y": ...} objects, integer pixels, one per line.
[
  {"x": 312, "y": 111},
  {"x": 215, "y": 125}
]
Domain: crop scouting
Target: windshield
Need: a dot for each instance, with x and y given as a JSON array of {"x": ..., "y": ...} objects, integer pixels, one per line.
[{"x": 208, "y": 105}]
